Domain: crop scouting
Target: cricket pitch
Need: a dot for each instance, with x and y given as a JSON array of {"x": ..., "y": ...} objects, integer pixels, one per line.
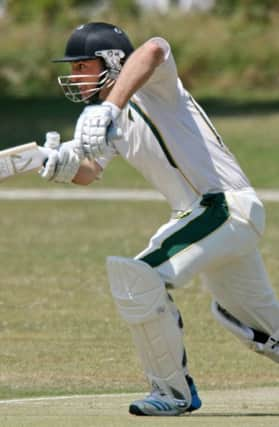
[{"x": 230, "y": 408}]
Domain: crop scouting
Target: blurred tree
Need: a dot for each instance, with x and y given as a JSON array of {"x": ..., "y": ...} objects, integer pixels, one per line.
[
  {"x": 85, "y": 2},
  {"x": 45, "y": 9},
  {"x": 49, "y": 10},
  {"x": 125, "y": 7},
  {"x": 259, "y": 9},
  {"x": 226, "y": 7},
  {"x": 251, "y": 9}
]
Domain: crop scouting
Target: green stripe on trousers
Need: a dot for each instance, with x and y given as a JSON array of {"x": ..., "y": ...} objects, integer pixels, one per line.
[{"x": 215, "y": 214}]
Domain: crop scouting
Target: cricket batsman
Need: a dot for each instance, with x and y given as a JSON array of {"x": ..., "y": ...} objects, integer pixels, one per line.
[{"x": 136, "y": 107}]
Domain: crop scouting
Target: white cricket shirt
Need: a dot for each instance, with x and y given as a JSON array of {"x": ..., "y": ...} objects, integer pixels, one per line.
[{"x": 172, "y": 142}]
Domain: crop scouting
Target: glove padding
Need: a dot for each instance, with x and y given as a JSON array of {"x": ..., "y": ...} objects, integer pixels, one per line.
[
  {"x": 63, "y": 164},
  {"x": 98, "y": 130}
]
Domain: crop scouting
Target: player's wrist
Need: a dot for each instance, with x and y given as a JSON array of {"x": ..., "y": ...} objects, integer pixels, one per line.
[{"x": 115, "y": 110}]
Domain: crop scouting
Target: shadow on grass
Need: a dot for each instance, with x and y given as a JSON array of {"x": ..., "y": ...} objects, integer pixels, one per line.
[{"x": 24, "y": 120}]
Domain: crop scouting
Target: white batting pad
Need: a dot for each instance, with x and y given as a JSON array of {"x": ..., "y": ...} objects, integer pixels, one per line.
[{"x": 143, "y": 302}]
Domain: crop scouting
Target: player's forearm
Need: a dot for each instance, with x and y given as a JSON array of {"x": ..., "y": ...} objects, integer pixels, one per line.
[
  {"x": 136, "y": 72},
  {"x": 88, "y": 172}
]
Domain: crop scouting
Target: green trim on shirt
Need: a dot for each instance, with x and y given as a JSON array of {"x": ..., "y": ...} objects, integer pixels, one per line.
[
  {"x": 155, "y": 132},
  {"x": 161, "y": 142}
]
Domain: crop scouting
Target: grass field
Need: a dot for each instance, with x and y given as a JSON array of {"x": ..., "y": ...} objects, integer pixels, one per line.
[{"x": 60, "y": 332}]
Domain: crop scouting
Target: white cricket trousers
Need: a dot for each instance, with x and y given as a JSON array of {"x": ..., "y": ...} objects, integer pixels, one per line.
[{"x": 218, "y": 237}]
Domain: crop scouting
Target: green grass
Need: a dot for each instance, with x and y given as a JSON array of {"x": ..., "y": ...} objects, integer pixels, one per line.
[
  {"x": 253, "y": 140},
  {"x": 60, "y": 333}
]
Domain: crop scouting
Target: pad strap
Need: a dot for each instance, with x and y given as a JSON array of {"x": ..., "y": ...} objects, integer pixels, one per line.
[{"x": 257, "y": 341}]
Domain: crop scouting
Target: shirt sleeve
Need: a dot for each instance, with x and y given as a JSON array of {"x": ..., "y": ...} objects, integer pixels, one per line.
[{"x": 163, "y": 81}]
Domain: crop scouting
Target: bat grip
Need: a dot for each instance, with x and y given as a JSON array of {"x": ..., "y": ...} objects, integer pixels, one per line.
[{"x": 44, "y": 152}]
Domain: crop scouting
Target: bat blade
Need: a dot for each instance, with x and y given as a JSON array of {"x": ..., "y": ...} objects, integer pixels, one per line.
[{"x": 21, "y": 159}]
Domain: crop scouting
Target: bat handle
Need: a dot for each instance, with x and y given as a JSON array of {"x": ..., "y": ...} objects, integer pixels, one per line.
[
  {"x": 113, "y": 135},
  {"x": 52, "y": 140},
  {"x": 44, "y": 153}
]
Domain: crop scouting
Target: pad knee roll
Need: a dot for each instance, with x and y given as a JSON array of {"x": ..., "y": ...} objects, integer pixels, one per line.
[
  {"x": 137, "y": 289},
  {"x": 143, "y": 302}
]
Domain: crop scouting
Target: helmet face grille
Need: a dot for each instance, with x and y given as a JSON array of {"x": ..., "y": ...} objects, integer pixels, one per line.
[{"x": 83, "y": 87}]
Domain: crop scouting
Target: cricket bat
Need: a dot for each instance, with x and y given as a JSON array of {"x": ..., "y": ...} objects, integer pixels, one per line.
[{"x": 21, "y": 159}]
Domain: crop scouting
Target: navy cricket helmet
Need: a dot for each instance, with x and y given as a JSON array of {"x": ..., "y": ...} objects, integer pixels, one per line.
[{"x": 92, "y": 41}]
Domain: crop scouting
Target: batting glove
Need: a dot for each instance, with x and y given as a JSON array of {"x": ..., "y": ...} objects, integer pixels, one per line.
[
  {"x": 63, "y": 164},
  {"x": 98, "y": 130}
]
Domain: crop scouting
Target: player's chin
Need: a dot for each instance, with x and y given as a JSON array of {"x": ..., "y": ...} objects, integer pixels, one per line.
[{"x": 83, "y": 96}]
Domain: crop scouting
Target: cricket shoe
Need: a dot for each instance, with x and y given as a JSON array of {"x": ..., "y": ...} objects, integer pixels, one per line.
[{"x": 159, "y": 404}]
